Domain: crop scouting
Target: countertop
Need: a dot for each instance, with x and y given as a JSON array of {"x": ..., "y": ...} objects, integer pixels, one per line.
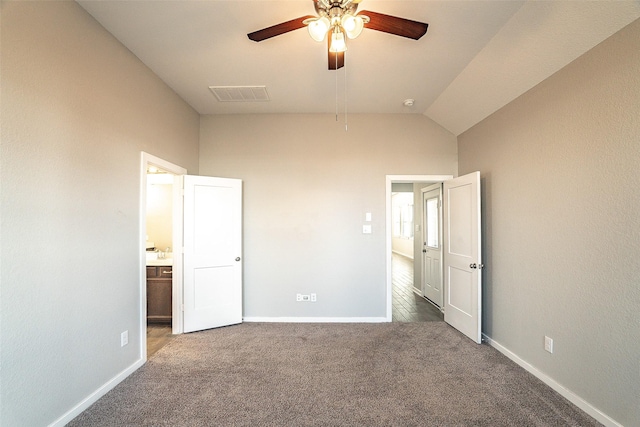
[{"x": 160, "y": 262}]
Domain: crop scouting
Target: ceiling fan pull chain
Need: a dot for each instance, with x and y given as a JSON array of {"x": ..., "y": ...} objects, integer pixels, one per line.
[
  {"x": 336, "y": 87},
  {"x": 346, "y": 125}
]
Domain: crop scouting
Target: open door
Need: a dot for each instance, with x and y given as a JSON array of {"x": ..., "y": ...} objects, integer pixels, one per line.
[
  {"x": 212, "y": 264},
  {"x": 463, "y": 256}
]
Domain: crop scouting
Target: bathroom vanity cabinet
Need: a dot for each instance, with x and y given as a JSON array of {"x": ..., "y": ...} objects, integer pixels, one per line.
[{"x": 159, "y": 294}]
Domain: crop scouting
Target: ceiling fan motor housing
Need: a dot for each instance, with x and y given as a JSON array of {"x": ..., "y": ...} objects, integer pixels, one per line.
[{"x": 335, "y": 9}]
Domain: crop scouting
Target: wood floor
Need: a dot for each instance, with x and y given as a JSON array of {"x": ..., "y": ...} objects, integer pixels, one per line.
[{"x": 407, "y": 305}]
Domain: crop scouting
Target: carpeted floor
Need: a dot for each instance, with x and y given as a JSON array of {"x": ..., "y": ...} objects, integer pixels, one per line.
[{"x": 391, "y": 374}]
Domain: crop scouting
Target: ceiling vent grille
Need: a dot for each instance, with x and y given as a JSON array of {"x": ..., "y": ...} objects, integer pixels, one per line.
[{"x": 240, "y": 93}]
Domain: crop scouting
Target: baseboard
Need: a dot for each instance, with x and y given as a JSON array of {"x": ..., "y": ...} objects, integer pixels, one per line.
[
  {"x": 402, "y": 254},
  {"x": 316, "y": 319},
  {"x": 563, "y": 391},
  {"x": 93, "y": 397}
]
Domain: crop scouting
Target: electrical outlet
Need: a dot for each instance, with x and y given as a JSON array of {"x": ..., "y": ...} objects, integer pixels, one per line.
[
  {"x": 298, "y": 297},
  {"x": 124, "y": 338},
  {"x": 314, "y": 298},
  {"x": 548, "y": 344}
]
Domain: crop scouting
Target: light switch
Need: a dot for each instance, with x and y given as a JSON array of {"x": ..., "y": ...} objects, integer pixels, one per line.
[
  {"x": 366, "y": 229},
  {"x": 367, "y": 216}
]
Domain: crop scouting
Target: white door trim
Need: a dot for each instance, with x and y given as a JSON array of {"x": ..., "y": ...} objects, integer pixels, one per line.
[
  {"x": 147, "y": 160},
  {"x": 389, "y": 226}
]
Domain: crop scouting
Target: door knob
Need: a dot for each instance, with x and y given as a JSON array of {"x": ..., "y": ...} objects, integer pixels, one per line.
[
  {"x": 237, "y": 258},
  {"x": 473, "y": 265}
]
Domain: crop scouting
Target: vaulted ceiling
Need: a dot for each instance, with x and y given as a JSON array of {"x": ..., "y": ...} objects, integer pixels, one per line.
[{"x": 476, "y": 56}]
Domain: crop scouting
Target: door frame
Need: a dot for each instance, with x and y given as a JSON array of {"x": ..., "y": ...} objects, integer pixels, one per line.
[
  {"x": 393, "y": 179},
  {"x": 147, "y": 160}
]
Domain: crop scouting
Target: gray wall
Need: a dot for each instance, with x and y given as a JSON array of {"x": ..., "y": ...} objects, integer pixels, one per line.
[
  {"x": 561, "y": 181},
  {"x": 77, "y": 109},
  {"x": 307, "y": 187}
]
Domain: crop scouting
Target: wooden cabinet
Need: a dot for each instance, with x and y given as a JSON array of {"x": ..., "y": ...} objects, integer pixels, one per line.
[{"x": 159, "y": 294}]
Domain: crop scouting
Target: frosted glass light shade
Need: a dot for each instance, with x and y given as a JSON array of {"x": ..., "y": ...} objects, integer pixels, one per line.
[
  {"x": 318, "y": 28},
  {"x": 337, "y": 42},
  {"x": 352, "y": 25}
]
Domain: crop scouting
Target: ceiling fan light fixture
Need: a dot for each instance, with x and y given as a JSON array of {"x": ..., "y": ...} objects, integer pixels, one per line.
[
  {"x": 337, "y": 42},
  {"x": 318, "y": 28},
  {"x": 352, "y": 25}
]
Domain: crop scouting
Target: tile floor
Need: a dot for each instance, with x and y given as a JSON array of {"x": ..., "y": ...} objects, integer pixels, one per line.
[
  {"x": 158, "y": 335},
  {"x": 407, "y": 305}
]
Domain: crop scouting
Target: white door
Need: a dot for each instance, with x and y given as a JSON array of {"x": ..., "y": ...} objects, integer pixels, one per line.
[
  {"x": 431, "y": 245},
  {"x": 212, "y": 264},
  {"x": 463, "y": 256}
]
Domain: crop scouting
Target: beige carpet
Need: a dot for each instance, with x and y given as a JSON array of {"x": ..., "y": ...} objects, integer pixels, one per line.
[{"x": 392, "y": 374}]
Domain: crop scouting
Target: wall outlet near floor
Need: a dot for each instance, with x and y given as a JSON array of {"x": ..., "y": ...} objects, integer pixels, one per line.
[
  {"x": 124, "y": 338},
  {"x": 548, "y": 344},
  {"x": 305, "y": 298},
  {"x": 314, "y": 298}
]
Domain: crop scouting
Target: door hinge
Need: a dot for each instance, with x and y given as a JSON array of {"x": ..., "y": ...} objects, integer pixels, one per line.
[{"x": 182, "y": 307}]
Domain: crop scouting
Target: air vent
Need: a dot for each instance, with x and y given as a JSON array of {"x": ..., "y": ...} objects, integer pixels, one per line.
[{"x": 240, "y": 93}]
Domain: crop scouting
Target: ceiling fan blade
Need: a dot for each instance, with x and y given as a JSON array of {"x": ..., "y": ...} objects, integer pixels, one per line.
[
  {"x": 276, "y": 30},
  {"x": 394, "y": 25},
  {"x": 336, "y": 59}
]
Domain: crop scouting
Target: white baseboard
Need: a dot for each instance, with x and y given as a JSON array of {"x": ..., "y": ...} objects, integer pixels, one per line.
[
  {"x": 93, "y": 397},
  {"x": 402, "y": 254},
  {"x": 563, "y": 391},
  {"x": 317, "y": 319}
]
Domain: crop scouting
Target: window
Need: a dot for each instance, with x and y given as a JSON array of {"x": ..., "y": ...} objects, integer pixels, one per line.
[
  {"x": 432, "y": 222},
  {"x": 407, "y": 221},
  {"x": 397, "y": 224},
  {"x": 402, "y": 215}
]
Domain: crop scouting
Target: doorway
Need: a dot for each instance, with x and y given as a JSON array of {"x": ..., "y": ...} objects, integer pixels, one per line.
[
  {"x": 416, "y": 265},
  {"x": 155, "y": 191},
  {"x": 159, "y": 257},
  {"x": 408, "y": 302}
]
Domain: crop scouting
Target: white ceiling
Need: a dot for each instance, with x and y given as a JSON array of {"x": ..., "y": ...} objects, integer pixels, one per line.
[{"x": 476, "y": 56}]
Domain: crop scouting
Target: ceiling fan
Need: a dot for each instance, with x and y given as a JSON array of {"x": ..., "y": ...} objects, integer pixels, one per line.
[{"x": 337, "y": 18}]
